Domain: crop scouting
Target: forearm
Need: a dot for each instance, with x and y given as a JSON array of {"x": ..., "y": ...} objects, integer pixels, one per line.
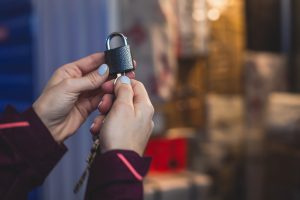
[
  {"x": 117, "y": 175},
  {"x": 27, "y": 153}
]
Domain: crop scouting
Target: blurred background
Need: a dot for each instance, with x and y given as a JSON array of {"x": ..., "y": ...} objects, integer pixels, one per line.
[{"x": 223, "y": 75}]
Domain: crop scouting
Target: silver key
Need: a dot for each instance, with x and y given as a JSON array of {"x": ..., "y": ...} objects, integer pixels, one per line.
[{"x": 90, "y": 160}]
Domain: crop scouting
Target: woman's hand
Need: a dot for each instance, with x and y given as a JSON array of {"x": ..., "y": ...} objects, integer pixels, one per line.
[
  {"x": 128, "y": 123},
  {"x": 73, "y": 92}
]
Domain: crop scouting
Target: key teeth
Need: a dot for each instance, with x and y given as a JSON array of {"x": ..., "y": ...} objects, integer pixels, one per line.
[
  {"x": 88, "y": 159},
  {"x": 80, "y": 182},
  {"x": 76, "y": 188}
]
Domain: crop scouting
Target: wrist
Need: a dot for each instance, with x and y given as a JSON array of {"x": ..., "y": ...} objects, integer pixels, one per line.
[
  {"x": 42, "y": 114},
  {"x": 137, "y": 151}
]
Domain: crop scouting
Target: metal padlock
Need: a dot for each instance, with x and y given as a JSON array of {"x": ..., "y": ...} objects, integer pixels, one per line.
[{"x": 119, "y": 60}]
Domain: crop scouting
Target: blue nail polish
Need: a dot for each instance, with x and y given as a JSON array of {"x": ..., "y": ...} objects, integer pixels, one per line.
[
  {"x": 102, "y": 69},
  {"x": 124, "y": 79}
]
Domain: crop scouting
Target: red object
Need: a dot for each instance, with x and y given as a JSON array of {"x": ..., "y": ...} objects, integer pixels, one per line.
[
  {"x": 130, "y": 167},
  {"x": 14, "y": 125},
  {"x": 168, "y": 155}
]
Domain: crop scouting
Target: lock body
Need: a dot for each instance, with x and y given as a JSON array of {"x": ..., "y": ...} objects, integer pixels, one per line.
[{"x": 119, "y": 60}]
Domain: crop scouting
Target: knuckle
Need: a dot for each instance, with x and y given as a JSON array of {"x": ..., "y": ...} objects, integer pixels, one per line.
[
  {"x": 60, "y": 71},
  {"x": 68, "y": 70},
  {"x": 68, "y": 83},
  {"x": 94, "y": 79},
  {"x": 150, "y": 109},
  {"x": 93, "y": 60},
  {"x": 152, "y": 125},
  {"x": 147, "y": 111},
  {"x": 140, "y": 84},
  {"x": 124, "y": 106},
  {"x": 125, "y": 88}
]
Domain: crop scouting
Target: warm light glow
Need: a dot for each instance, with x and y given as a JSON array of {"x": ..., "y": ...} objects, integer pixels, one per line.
[
  {"x": 219, "y": 4},
  {"x": 213, "y": 14},
  {"x": 199, "y": 15}
]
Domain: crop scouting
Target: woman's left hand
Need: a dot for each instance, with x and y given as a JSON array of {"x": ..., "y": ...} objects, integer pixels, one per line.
[{"x": 73, "y": 92}]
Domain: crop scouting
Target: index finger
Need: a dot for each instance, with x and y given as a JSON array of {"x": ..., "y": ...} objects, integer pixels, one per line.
[
  {"x": 141, "y": 101},
  {"x": 76, "y": 69},
  {"x": 140, "y": 94}
]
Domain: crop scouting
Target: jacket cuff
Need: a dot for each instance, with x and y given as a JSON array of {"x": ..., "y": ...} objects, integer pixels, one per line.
[
  {"x": 118, "y": 166},
  {"x": 35, "y": 144}
]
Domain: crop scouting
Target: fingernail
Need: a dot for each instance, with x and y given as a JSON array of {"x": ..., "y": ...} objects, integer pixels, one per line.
[
  {"x": 102, "y": 69},
  {"x": 100, "y": 104},
  {"x": 124, "y": 79},
  {"x": 92, "y": 126},
  {"x": 132, "y": 73}
]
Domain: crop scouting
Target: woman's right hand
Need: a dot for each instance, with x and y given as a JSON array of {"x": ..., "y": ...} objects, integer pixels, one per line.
[{"x": 128, "y": 124}]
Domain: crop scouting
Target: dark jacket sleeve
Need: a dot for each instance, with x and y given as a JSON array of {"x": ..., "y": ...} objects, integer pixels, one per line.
[
  {"x": 27, "y": 153},
  {"x": 117, "y": 175}
]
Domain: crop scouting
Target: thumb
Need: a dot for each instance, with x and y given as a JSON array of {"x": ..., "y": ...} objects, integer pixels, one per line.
[
  {"x": 90, "y": 81},
  {"x": 123, "y": 90}
]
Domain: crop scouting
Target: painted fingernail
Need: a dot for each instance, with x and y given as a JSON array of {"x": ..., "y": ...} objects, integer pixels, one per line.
[
  {"x": 100, "y": 104},
  {"x": 131, "y": 74},
  {"x": 124, "y": 79},
  {"x": 92, "y": 126},
  {"x": 102, "y": 69}
]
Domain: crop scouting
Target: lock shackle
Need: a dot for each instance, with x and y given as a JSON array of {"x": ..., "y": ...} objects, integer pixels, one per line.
[{"x": 115, "y": 34}]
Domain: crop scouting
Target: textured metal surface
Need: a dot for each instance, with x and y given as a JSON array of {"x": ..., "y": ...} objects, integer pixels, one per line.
[{"x": 119, "y": 60}]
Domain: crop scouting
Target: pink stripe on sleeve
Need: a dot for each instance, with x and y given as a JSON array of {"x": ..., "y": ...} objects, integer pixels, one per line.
[
  {"x": 14, "y": 125},
  {"x": 130, "y": 167}
]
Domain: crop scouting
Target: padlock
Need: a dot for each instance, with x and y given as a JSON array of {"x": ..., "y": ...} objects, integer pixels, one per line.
[{"x": 119, "y": 60}]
